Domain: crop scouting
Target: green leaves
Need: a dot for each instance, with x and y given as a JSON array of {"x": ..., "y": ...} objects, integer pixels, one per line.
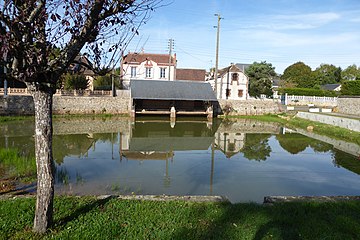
[{"x": 260, "y": 78}]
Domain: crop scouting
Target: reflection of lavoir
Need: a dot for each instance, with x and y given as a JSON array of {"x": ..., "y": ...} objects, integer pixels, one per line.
[{"x": 156, "y": 139}]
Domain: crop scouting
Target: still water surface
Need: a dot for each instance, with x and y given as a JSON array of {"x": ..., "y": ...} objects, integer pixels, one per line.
[{"x": 243, "y": 160}]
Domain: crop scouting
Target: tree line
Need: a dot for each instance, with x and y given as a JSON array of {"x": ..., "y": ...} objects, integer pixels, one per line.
[{"x": 301, "y": 76}]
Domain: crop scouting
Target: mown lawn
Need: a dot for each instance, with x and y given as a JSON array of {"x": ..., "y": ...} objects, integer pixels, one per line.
[{"x": 112, "y": 218}]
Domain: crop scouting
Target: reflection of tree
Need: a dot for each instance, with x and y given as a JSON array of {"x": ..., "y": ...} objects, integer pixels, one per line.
[
  {"x": 106, "y": 137},
  {"x": 346, "y": 160},
  {"x": 320, "y": 146},
  {"x": 295, "y": 143},
  {"x": 256, "y": 146},
  {"x": 74, "y": 144}
]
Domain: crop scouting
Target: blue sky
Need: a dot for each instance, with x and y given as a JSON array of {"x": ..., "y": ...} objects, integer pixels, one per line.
[{"x": 279, "y": 32}]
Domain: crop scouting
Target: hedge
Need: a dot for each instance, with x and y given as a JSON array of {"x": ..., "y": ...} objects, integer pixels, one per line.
[
  {"x": 308, "y": 92},
  {"x": 350, "y": 88}
]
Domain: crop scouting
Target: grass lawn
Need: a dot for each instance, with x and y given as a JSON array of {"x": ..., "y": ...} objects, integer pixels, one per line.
[{"x": 91, "y": 218}]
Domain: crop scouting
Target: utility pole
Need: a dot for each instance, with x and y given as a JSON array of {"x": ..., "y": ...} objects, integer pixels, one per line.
[
  {"x": 217, "y": 52},
  {"x": 171, "y": 46}
]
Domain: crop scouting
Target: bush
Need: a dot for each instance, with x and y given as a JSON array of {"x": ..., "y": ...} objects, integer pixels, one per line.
[
  {"x": 350, "y": 88},
  {"x": 104, "y": 82},
  {"x": 308, "y": 92},
  {"x": 75, "y": 81}
]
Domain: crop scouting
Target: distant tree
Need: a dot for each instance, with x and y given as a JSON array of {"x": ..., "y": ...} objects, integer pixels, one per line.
[
  {"x": 351, "y": 73},
  {"x": 105, "y": 82},
  {"x": 30, "y": 31},
  {"x": 327, "y": 74},
  {"x": 75, "y": 82},
  {"x": 299, "y": 75},
  {"x": 260, "y": 78}
]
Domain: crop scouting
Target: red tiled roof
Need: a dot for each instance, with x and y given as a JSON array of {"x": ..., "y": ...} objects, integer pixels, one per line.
[
  {"x": 137, "y": 58},
  {"x": 191, "y": 74}
]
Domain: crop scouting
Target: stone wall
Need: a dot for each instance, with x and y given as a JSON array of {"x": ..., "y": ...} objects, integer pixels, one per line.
[
  {"x": 348, "y": 123},
  {"x": 250, "y": 107},
  {"x": 349, "y": 105},
  {"x": 24, "y": 105},
  {"x": 91, "y": 105},
  {"x": 16, "y": 105}
]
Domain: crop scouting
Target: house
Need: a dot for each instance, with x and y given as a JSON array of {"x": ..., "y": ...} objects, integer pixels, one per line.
[
  {"x": 232, "y": 83},
  {"x": 147, "y": 66},
  {"x": 331, "y": 87},
  {"x": 243, "y": 66},
  {"x": 190, "y": 74},
  {"x": 275, "y": 87},
  {"x": 82, "y": 65}
]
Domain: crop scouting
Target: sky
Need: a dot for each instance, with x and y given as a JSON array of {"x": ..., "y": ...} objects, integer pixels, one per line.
[{"x": 280, "y": 32}]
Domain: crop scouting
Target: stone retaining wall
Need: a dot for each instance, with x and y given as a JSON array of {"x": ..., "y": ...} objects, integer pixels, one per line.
[
  {"x": 348, "y": 123},
  {"x": 24, "y": 105},
  {"x": 16, "y": 105},
  {"x": 91, "y": 105},
  {"x": 349, "y": 105},
  {"x": 250, "y": 107}
]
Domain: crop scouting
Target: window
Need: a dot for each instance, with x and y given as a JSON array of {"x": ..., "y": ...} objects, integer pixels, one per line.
[
  {"x": 162, "y": 72},
  {"x": 148, "y": 72},
  {"x": 133, "y": 71},
  {"x": 240, "y": 93},
  {"x": 228, "y": 93},
  {"x": 235, "y": 78}
]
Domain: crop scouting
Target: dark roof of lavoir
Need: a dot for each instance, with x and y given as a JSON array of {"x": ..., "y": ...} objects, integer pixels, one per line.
[{"x": 172, "y": 90}]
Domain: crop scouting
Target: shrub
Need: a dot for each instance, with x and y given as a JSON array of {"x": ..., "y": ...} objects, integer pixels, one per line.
[
  {"x": 75, "y": 81},
  {"x": 308, "y": 92},
  {"x": 350, "y": 88}
]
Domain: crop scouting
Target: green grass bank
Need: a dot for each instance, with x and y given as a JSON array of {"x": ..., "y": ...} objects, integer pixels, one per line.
[{"x": 91, "y": 218}]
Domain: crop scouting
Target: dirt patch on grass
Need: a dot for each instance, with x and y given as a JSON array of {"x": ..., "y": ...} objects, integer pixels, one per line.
[{"x": 7, "y": 186}]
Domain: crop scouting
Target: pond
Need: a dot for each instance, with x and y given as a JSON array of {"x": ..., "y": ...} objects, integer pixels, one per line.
[{"x": 243, "y": 160}]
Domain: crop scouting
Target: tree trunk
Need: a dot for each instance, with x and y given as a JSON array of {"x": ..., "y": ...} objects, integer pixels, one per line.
[{"x": 44, "y": 159}]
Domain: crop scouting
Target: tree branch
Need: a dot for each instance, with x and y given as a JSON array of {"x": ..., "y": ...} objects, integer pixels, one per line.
[{"x": 35, "y": 13}]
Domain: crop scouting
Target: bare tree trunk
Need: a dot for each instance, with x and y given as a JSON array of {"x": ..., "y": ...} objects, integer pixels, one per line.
[{"x": 44, "y": 159}]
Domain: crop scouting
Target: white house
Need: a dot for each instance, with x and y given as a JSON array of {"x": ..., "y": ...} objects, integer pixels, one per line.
[
  {"x": 232, "y": 83},
  {"x": 147, "y": 66}
]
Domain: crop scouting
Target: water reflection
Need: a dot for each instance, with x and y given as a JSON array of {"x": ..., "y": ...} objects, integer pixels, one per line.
[{"x": 149, "y": 156}]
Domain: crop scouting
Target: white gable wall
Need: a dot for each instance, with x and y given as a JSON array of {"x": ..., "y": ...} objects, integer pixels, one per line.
[
  {"x": 141, "y": 72},
  {"x": 237, "y": 89}
]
